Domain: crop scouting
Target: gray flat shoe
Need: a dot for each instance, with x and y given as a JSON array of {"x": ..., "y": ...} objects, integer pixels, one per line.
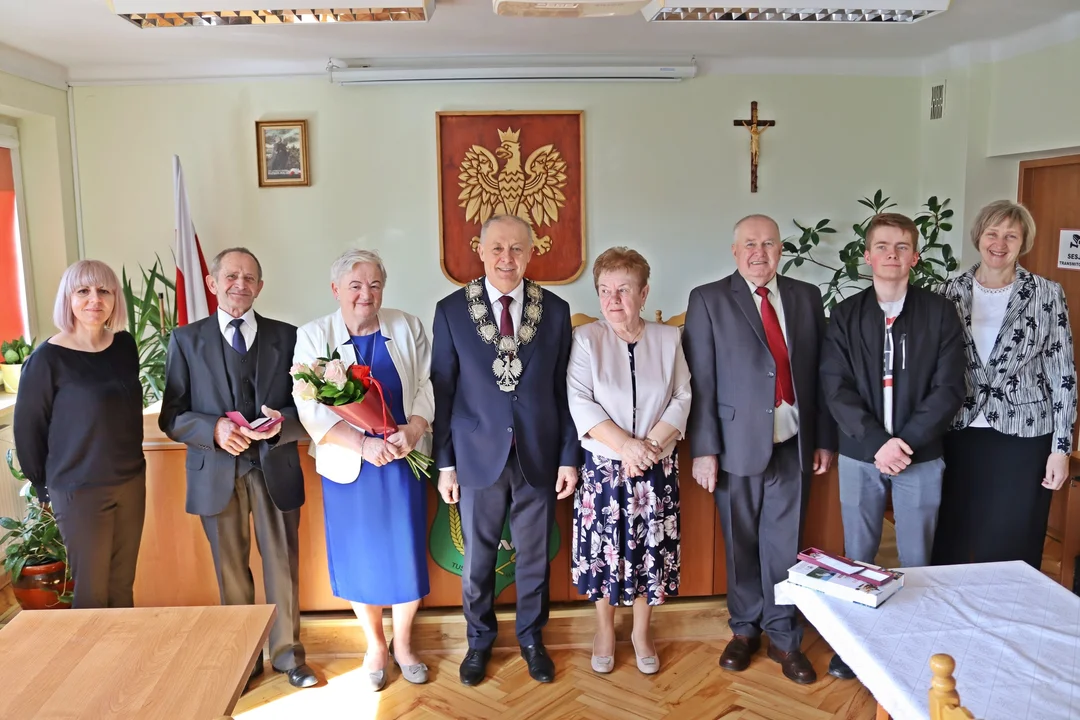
[
  {"x": 416, "y": 674},
  {"x": 377, "y": 680}
]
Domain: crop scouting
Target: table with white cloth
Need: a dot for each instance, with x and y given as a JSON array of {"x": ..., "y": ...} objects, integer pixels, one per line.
[{"x": 1014, "y": 633}]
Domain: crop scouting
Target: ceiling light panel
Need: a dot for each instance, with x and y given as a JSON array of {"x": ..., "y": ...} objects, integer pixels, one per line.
[
  {"x": 898, "y": 11},
  {"x": 186, "y": 13}
]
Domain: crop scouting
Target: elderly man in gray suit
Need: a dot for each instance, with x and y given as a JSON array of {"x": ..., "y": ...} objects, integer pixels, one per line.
[
  {"x": 757, "y": 428},
  {"x": 237, "y": 360}
]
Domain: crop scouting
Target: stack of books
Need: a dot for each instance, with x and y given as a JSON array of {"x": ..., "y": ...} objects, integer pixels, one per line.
[{"x": 840, "y": 577}]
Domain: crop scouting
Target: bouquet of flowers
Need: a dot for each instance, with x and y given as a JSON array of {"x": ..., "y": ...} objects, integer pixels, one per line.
[{"x": 354, "y": 395}]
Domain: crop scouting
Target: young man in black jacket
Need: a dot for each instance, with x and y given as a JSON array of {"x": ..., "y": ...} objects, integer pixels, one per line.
[{"x": 892, "y": 369}]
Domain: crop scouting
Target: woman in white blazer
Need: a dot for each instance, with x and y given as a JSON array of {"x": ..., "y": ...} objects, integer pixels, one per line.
[
  {"x": 629, "y": 391},
  {"x": 375, "y": 508}
]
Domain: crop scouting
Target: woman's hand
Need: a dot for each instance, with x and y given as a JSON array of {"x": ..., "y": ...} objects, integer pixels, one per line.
[
  {"x": 404, "y": 440},
  {"x": 1057, "y": 471},
  {"x": 376, "y": 451},
  {"x": 638, "y": 456}
]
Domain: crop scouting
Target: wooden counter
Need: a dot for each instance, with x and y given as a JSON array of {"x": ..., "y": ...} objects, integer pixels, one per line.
[{"x": 175, "y": 566}]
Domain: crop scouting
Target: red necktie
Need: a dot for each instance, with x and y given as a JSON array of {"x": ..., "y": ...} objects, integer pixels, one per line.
[
  {"x": 785, "y": 390},
  {"x": 506, "y": 324}
]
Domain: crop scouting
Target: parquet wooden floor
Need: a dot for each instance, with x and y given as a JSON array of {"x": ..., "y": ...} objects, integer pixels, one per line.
[{"x": 689, "y": 686}]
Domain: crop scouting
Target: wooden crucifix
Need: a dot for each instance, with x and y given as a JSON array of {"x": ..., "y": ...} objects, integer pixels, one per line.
[{"x": 756, "y": 127}]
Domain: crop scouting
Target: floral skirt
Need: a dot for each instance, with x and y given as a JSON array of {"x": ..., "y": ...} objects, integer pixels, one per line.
[{"x": 626, "y": 532}]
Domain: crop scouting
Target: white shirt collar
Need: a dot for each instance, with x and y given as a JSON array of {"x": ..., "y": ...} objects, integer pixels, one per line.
[
  {"x": 225, "y": 318},
  {"x": 771, "y": 285},
  {"x": 493, "y": 293}
]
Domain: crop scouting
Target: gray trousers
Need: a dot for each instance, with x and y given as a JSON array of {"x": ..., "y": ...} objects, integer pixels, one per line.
[
  {"x": 102, "y": 529},
  {"x": 761, "y": 517},
  {"x": 532, "y": 516},
  {"x": 916, "y": 496},
  {"x": 278, "y": 538}
]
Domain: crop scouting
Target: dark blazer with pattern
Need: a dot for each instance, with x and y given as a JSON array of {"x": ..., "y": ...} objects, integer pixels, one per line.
[{"x": 1027, "y": 387}]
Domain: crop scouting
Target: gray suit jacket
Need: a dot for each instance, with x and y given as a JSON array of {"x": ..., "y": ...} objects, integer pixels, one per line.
[
  {"x": 733, "y": 375},
  {"x": 197, "y": 394}
]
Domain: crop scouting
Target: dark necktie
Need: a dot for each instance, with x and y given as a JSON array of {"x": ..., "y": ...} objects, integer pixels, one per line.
[
  {"x": 238, "y": 342},
  {"x": 506, "y": 324},
  {"x": 785, "y": 390}
]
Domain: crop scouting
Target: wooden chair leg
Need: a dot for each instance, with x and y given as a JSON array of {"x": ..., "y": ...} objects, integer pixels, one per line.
[{"x": 881, "y": 714}]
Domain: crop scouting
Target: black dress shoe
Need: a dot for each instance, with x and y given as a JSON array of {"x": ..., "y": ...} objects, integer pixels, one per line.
[
  {"x": 839, "y": 669},
  {"x": 302, "y": 676},
  {"x": 541, "y": 668},
  {"x": 474, "y": 666}
]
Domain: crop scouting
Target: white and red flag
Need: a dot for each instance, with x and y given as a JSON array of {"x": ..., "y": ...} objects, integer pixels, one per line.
[{"x": 194, "y": 301}]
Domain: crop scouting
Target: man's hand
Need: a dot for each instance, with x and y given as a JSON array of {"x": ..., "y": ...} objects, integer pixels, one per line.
[
  {"x": 448, "y": 487},
  {"x": 255, "y": 434},
  {"x": 566, "y": 482},
  {"x": 1057, "y": 471},
  {"x": 893, "y": 457},
  {"x": 705, "y": 470},
  {"x": 228, "y": 437},
  {"x": 822, "y": 461}
]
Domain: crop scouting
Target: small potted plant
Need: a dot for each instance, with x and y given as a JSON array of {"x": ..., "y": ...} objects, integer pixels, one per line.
[
  {"x": 14, "y": 353},
  {"x": 34, "y": 555}
]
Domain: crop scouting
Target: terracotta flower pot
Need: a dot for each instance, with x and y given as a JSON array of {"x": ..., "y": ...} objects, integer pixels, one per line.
[{"x": 40, "y": 586}]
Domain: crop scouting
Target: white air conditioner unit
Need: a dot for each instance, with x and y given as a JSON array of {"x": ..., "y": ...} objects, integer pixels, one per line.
[
  {"x": 512, "y": 69},
  {"x": 837, "y": 11},
  {"x": 567, "y": 8},
  {"x": 212, "y": 13}
]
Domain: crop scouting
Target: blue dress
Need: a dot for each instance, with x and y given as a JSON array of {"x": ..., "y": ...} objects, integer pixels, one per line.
[{"x": 376, "y": 526}]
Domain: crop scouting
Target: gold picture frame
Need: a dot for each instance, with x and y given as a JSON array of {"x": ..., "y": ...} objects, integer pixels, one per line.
[{"x": 282, "y": 152}]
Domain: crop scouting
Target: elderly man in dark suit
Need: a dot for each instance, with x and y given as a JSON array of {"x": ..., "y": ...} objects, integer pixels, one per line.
[
  {"x": 757, "y": 429},
  {"x": 236, "y": 360},
  {"x": 503, "y": 435}
]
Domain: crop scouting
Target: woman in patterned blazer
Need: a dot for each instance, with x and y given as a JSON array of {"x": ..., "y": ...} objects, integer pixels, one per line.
[{"x": 1009, "y": 446}]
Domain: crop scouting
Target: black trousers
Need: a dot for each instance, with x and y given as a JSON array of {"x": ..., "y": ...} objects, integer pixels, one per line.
[
  {"x": 532, "y": 516},
  {"x": 102, "y": 529},
  {"x": 993, "y": 505},
  {"x": 761, "y": 517},
  {"x": 277, "y": 534}
]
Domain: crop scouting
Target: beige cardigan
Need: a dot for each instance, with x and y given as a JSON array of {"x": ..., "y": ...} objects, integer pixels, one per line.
[{"x": 599, "y": 384}]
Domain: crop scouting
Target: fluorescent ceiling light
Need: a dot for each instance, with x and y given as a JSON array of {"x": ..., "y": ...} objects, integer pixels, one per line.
[
  {"x": 210, "y": 13},
  {"x": 567, "y": 8},
  {"x": 510, "y": 69},
  {"x": 841, "y": 11}
]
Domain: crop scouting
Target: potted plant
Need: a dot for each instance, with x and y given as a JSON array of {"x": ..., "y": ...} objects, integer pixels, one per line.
[
  {"x": 151, "y": 320},
  {"x": 851, "y": 274},
  {"x": 34, "y": 553},
  {"x": 14, "y": 354}
]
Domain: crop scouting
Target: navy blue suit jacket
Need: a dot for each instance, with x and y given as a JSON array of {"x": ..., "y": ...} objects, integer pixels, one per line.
[{"x": 475, "y": 420}]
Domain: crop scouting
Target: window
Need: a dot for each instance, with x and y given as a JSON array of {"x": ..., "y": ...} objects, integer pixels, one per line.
[{"x": 14, "y": 292}]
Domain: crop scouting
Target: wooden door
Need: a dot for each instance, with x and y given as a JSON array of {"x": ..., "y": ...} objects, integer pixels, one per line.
[{"x": 1050, "y": 189}]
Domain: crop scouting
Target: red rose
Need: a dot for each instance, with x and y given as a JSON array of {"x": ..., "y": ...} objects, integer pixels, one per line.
[{"x": 362, "y": 374}]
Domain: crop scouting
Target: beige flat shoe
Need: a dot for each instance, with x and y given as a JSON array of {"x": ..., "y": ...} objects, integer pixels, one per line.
[
  {"x": 650, "y": 664},
  {"x": 602, "y": 664},
  {"x": 416, "y": 674}
]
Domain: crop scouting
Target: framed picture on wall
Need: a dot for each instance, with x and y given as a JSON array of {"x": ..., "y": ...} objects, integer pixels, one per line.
[
  {"x": 524, "y": 163},
  {"x": 283, "y": 152}
]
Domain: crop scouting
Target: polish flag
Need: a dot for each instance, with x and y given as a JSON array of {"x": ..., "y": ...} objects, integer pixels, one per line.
[{"x": 194, "y": 301}]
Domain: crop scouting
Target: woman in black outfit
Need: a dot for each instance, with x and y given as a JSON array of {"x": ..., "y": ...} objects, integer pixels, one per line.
[{"x": 78, "y": 433}]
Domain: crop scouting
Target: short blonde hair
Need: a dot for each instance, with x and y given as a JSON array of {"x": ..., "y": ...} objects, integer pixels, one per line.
[
  {"x": 88, "y": 273},
  {"x": 621, "y": 258},
  {"x": 1005, "y": 211}
]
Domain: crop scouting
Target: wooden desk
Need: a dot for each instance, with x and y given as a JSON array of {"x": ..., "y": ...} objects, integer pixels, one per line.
[
  {"x": 175, "y": 566},
  {"x": 137, "y": 663}
]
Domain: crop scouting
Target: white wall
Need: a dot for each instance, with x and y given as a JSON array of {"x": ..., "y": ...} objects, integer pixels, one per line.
[
  {"x": 41, "y": 116},
  {"x": 666, "y": 172}
]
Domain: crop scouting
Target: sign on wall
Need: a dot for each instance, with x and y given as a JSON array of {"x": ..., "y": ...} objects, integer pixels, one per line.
[
  {"x": 528, "y": 164},
  {"x": 1069, "y": 249}
]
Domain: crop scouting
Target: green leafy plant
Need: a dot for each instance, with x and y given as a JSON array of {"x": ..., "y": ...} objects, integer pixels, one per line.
[
  {"x": 15, "y": 352},
  {"x": 852, "y": 274},
  {"x": 151, "y": 319},
  {"x": 34, "y": 540}
]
